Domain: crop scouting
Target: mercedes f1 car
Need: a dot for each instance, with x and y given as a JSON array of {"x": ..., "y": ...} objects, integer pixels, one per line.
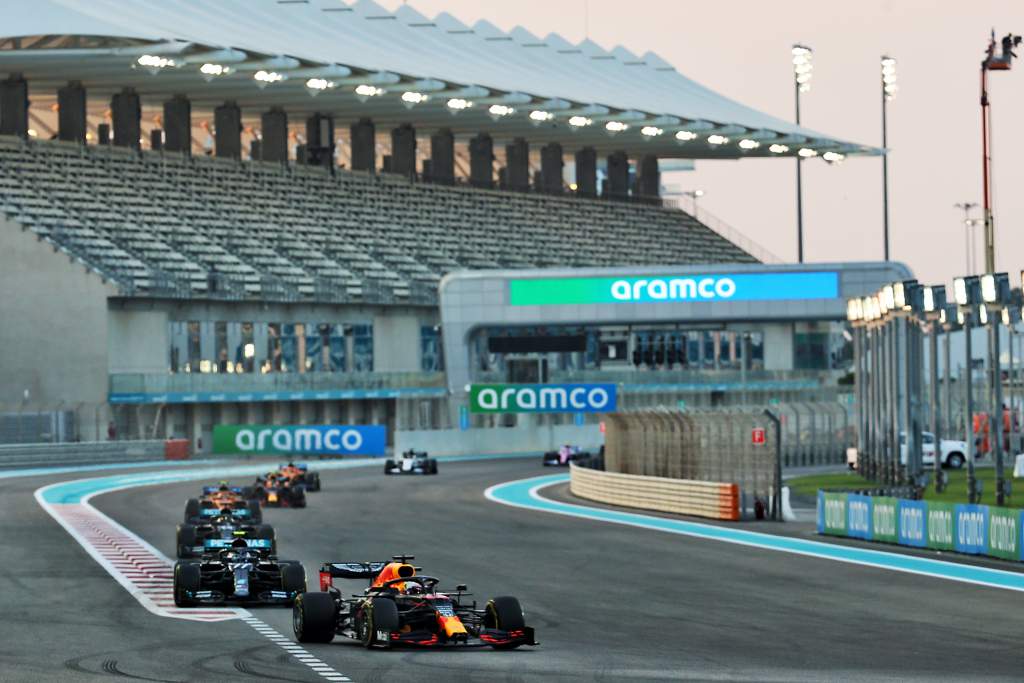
[
  {"x": 411, "y": 462},
  {"x": 564, "y": 455},
  {"x": 237, "y": 573},
  {"x": 214, "y": 499},
  {"x": 401, "y": 607},
  {"x": 226, "y": 527},
  {"x": 274, "y": 490}
]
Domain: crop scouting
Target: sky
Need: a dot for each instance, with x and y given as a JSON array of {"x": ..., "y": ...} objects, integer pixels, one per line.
[{"x": 742, "y": 50}]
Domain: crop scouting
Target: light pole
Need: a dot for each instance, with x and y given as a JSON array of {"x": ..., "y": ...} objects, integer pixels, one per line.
[
  {"x": 934, "y": 307},
  {"x": 803, "y": 67},
  {"x": 967, "y": 292},
  {"x": 991, "y": 63},
  {"x": 889, "y": 89},
  {"x": 995, "y": 294},
  {"x": 969, "y": 223}
]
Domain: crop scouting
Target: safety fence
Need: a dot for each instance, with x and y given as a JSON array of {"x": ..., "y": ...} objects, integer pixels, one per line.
[
  {"x": 699, "y": 498},
  {"x": 962, "y": 528},
  {"x": 85, "y": 453},
  {"x": 724, "y": 446}
]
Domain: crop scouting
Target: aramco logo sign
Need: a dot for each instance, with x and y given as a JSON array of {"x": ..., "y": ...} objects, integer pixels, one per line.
[
  {"x": 299, "y": 440},
  {"x": 674, "y": 288},
  {"x": 542, "y": 398}
]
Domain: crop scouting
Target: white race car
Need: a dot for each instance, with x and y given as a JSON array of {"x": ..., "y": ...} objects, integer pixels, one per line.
[{"x": 411, "y": 462}]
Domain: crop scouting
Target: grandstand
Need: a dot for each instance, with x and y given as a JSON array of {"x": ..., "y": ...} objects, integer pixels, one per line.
[{"x": 245, "y": 213}]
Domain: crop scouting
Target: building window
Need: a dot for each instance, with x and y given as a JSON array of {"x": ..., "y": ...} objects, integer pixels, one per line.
[
  {"x": 362, "y": 348},
  {"x": 430, "y": 349}
]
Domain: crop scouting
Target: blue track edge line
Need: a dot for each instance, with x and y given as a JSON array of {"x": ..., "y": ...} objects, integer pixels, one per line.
[{"x": 524, "y": 493}]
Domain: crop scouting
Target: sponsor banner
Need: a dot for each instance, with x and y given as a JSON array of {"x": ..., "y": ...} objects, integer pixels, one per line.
[
  {"x": 674, "y": 288},
  {"x": 832, "y": 511},
  {"x": 299, "y": 440},
  {"x": 542, "y": 398},
  {"x": 970, "y": 527},
  {"x": 1003, "y": 533},
  {"x": 940, "y": 525},
  {"x": 883, "y": 519},
  {"x": 910, "y": 526},
  {"x": 858, "y": 516}
]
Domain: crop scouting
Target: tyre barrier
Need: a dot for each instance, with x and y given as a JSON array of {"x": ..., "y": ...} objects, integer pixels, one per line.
[
  {"x": 679, "y": 496},
  {"x": 970, "y": 529}
]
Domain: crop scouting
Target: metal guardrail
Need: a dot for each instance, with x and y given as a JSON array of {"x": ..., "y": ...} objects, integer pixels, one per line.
[
  {"x": 678, "y": 496},
  {"x": 85, "y": 453},
  {"x": 275, "y": 381}
]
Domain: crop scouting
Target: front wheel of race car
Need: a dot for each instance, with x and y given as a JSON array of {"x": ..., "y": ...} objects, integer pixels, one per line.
[
  {"x": 186, "y": 582},
  {"x": 313, "y": 618},
  {"x": 255, "y": 510},
  {"x": 191, "y": 509},
  {"x": 379, "y": 618},
  {"x": 186, "y": 540},
  {"x": 504, "y": 614},
  {"x": 388, "y": 464}
]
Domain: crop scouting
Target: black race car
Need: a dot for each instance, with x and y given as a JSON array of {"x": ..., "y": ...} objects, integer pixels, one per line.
[
  {"x": 237, "y": 573},
  {"x": 564, "y": 455},
  {"x": 300, "y": 474},
  {"x": 213, "y": 499},
  {"x": 403, "y": 608},
  {"x": 411, "y": 462},
  {"x": 225, "y": 527}
]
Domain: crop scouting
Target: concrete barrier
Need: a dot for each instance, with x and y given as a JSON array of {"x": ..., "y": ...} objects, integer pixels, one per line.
[
  {"x": 499, "y": 440},
  {"x": 85, "y": 453},
  {"x": 680, "y": 496}
]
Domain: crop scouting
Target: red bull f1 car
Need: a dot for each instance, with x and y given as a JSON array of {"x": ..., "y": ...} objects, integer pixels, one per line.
[
  {"x": 404, "y": 608},
  {"x": 237, "y": 571},
  {"x": 300, "y": 474},
  {"x": 411, "y": 462},
  {"x": 275, "y": 490}
]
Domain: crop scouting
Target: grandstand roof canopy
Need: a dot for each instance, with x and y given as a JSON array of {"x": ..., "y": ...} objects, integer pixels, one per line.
[{"x": 273, "y": 52}]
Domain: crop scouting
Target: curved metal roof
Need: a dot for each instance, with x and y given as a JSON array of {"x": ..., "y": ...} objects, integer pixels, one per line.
[{"x": 364, "y": 44}]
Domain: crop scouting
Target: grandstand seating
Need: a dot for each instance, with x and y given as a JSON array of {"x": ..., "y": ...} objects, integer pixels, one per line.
[{"x": 164, "y": 224}]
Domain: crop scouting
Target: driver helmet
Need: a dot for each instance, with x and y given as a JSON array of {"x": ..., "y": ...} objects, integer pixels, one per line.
[
  {"x": 412, "y": 588},
  {"x": 223, "y": 486},
  {"x": 239, "y": 543}
]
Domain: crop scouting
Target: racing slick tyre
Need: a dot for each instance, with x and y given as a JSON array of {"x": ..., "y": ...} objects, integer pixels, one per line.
[
  {"x": 248, "y": 492},
  {"x": 313, "y": 618},
  {"x": 380, "y": 615},
  {"x": 186, "y": 540},
  {"x": 186, "y": 578},
  {"x": 388, "y": 464},
  {"x": 293, "y": 578},
  {"x": 313, "y": 481},
  {"x": 191, "y": 509},
  {"x": 255, "y": 510},
  {"x": 505, "y": 614},
  {"x": 266, "y": 532},
  {"x": 432, "y": 466}
]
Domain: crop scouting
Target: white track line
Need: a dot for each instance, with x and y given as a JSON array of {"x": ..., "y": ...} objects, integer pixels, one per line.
[{"x": 301, "y": 654}]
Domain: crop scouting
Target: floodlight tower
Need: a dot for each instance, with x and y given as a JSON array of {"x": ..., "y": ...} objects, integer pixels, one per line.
[
  {"x": 803, "y": 67},
  {"x": 889, "y": 88}
]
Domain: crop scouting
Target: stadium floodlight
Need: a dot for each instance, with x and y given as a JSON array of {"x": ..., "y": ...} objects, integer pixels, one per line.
[
  {"x": 803, "y": 66},
  {"x": 685, "y": 136},
  {"x": 580, "y": 121},
  {"x": 983, "y": 315},
  {"x": 497, "y": 111},
  {"x": 264, "y": 78},
  {"x": 614, "y": 127},
  {"x": 318, "y": 85},
  {"x": 747, "y": 143},
  {"x": 778, "y": 149},
  {"x": 854, "y": 310},
  {"x": 458, "y": 104},
  {"x": 651, "y": 131},
  {"x": 995, "y": 288},
  {"x": 538, "y": 116},
  {"x": 833, "y": 157},
  {"x": 716, "y": 139},
  {"x": 1011, "y": 315},
  {"x": 889, "y": 295},
  {"x": 210, "y": 70},
  {"x": 889, "y": 86},
  {"x": 365, "y": 91},
  {"x": 967, "y": 290},
  {"x": 807, "y": 152},
  {"x": 411, "y": 98},
  {"x": 154, "y": 63}
]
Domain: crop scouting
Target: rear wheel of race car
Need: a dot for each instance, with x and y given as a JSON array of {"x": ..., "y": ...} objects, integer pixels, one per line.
[
  {"x": 255, "y": 511},
  {"x": 191, "y": 509},
  {"x": 380, "y": 615},
  {"x": 504, "y": 614},
  {"x": 388, "y": 464},
  {"x": 186, "y": 579},
  {"x": 432, "y": 466},
  {"x": 293, "y": 578},
  {"x": 313, "y": 618},
  {"x": 186, "y": 540}
]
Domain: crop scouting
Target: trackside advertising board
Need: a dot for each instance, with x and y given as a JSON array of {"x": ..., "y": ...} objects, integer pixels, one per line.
[
  {"x": 970, "y": 529},
  {"x": 299, "y": 440},
  {"x": 542, "y": 398},
  {"x": 674, "y": 288}
]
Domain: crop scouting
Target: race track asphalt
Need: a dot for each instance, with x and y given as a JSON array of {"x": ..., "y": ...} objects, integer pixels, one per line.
[{"x": 610, "y": 603}]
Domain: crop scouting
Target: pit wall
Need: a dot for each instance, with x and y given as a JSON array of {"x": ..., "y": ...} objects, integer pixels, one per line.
[
  {"x": 969, "y": 529},
  {"x": 534, "y": 439}
]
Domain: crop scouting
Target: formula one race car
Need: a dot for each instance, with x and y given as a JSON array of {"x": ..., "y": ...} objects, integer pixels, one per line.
[
  {"x": 215, "y": 498},
  {"x": 192, "y": 539},
  {"x": 564, "y": 455},
  {"x": 403, "y": 608},
  {"x": 411, "y": 462},
  {"x": 237, "y": 573},
  {"x": 274, "y": 490},
  {"x": 300, "y": 474}
]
